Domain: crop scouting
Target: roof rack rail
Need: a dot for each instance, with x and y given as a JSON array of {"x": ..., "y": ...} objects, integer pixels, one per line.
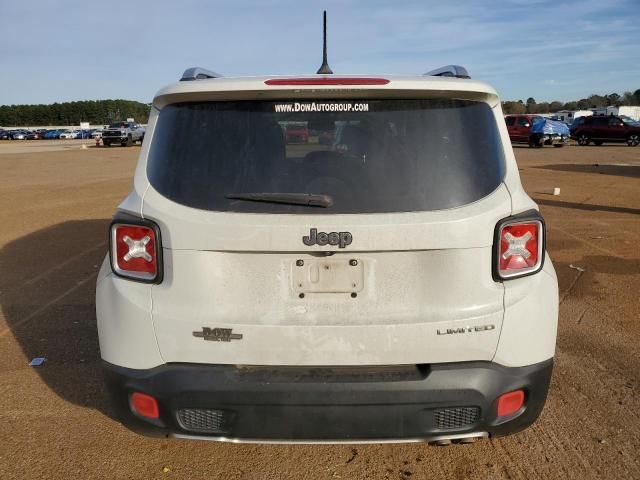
[
  {"x": 456, "y": 71},
  {"x": 197, "y": 73}
]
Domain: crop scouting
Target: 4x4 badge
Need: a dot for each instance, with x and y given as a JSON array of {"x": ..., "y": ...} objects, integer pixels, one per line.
[
  {"x": 342, "y": 239},
  {"x": 218, "y": 334}
]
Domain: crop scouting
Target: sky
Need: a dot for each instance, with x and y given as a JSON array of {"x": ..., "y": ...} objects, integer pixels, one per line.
[{"x": 62, "y": 50}]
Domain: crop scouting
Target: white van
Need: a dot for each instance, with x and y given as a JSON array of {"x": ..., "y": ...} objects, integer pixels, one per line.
[{"x": 391, "y": 284}]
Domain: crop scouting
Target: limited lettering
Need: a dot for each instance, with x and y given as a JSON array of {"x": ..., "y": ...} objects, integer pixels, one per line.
[{"x": 453, "y": 331}]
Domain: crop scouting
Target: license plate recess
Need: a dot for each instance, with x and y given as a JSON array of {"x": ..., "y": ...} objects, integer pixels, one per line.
[{"x": 327, "y": 275}]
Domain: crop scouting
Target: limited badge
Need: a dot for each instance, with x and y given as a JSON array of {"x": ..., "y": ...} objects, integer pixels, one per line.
[{"x": 218, "y": 334}]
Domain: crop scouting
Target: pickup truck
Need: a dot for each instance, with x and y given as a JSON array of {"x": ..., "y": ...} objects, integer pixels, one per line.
[{"x": 124, "y": 133}]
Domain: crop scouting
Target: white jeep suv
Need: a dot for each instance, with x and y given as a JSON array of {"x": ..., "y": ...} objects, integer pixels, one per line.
[{"x": 386, "y": 280}]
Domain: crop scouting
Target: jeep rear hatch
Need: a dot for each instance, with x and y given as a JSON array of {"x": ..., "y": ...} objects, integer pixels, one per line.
[{"x": 396, "y": 270}]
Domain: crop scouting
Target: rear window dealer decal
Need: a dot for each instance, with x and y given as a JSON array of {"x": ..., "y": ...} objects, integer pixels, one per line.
[{"x": 321, "y": 107}]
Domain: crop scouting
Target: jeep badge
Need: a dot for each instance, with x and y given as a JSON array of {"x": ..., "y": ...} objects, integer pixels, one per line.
[{"x": 342, "y": 239}]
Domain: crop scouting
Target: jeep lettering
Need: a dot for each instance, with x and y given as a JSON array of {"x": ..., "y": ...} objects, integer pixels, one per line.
[{"x": 321, "y": 238}]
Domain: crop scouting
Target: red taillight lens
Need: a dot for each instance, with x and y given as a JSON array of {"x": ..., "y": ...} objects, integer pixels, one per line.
[
  {"x": 510, "y": 403},
  {"x": 145, "y": 405},
  {"x": 520, "y": 248},
  {"x": 327, "y": 81},
  {"x": 135, "y": 251}
]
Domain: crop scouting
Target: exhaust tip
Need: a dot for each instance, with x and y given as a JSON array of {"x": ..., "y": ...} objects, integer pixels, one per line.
[{"x": 441, "y": 443}]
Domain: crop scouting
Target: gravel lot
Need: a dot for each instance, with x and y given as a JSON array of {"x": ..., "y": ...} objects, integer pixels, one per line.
[{"x": 55, "y": 205}]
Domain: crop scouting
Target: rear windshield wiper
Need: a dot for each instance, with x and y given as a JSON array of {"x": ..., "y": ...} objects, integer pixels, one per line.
[{"x": 308, "y": 199}]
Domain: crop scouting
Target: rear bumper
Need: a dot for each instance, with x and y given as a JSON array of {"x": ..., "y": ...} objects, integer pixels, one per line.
[{"x": 307, "y": 404}]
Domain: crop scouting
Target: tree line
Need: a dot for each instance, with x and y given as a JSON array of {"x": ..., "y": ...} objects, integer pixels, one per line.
[
  {"x": 96, "y": 112},
  {"x": 593, "y": 101},
  {"x": 100, "y": 112}
]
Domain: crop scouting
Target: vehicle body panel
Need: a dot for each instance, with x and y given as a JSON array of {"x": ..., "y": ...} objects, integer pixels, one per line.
[{"x": 245, "y": 304}]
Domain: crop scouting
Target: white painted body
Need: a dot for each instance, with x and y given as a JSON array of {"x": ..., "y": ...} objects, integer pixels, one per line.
[
  {"x": 629, "y": 111},
  {"x": 570, "y": 115},
  {"x": 422, "y": 272},
  {"x": 68, "y": 135}
]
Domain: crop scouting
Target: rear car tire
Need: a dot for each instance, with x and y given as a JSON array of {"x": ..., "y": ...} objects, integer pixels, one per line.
[
  {"x": 536, "y": 141},
  {"x": 633, "y": 140},
  {"x": 583, "y": 139}
]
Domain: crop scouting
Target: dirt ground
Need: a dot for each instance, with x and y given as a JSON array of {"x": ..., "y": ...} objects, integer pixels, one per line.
[{"x": 55, "y": 205}]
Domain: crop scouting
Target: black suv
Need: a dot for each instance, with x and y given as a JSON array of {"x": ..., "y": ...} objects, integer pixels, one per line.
[{"x": 600, "y": 129}]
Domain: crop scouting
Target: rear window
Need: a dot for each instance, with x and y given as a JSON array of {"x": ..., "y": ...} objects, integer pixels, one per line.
[{"x": 368, "y": 156}]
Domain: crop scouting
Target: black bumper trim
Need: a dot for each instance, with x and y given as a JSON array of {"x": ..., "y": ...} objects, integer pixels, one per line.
[{"x": 318, "y": 404}]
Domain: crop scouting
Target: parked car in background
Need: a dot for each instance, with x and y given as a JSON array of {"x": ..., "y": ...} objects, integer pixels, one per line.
[
  {"x": 82, "y": 134},
  {"x": 124, "y": 133},
  {"x": 296, "y": 133},
  {"x": 545, "y": 131},
  {"x": 19, "y": 134},
  {"x": 66, "y": 134},
  {"x": 536, "y": 131},
  {"x": 36, "y": 135},
  {"x": 628, "y": 120},
  {"x": 575, "y": 124},
  {"x": 97, "y": 133},
  {"x": 519, "y": 127},
  {"x": 601, "y": 129},
  {"x": 4, "y": 135},
  {"x": 52, "y": 134}
]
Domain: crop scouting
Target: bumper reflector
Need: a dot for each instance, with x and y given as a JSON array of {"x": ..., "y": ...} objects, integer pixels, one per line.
[
  {"x": 145, "y": 405},
  {"x": 510, "y": 403}
]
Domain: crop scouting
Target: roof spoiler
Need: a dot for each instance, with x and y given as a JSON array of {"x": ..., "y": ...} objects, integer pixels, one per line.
[
  {"x": 456, "y": 71},
  {"x": 197, "y": 73}
]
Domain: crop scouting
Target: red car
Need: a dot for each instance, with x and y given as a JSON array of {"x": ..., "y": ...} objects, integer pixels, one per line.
[
  {"x": 296, "y": 134},
  {"x": 519, "y": 128},
  {"x": 600, "y": 129}
]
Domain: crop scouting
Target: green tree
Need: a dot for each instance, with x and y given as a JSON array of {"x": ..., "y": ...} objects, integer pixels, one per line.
[
  {"x": 614, "y": 99},
  {"x": 544, "y": 107},
  {"x": 509, "y": 107},
  {"x": 583, "y": 104},
  {"x": 597, "y": 101},
  {"x": 628, "y": 98},
  {"x": 97, "y": 112},
  {"x": 555, "y": 106}
]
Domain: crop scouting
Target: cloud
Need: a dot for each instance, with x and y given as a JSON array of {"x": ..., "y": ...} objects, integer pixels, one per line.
[{"x": 518, "y": 46}]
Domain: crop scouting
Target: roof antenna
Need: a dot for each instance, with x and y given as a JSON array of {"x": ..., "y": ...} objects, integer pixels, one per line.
[{"x": 324, "y": 68}]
